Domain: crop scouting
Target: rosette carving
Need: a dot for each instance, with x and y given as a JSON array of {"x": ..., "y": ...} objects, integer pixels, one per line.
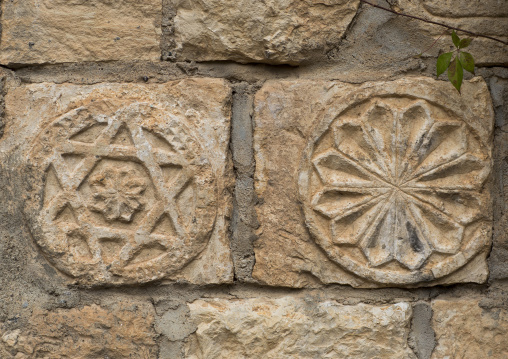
[{"x": 395, "y": 186}]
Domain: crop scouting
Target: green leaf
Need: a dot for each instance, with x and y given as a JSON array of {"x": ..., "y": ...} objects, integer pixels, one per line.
[
  {"x": 465, "y": 42},
  {"x": 443, "y": 61},
  {"x": 467, "y": 61},
  {"x": 455, "y": 74},
  {"x": 455, "y": 39}
]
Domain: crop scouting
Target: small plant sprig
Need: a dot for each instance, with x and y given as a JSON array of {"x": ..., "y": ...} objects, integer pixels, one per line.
[{"x": 462, "y": 61}]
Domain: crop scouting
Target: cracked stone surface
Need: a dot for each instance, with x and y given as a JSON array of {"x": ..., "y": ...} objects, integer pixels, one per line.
[{"x": 392, "y": 178}]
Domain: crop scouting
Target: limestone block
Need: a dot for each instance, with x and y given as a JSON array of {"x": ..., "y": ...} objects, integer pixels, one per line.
[
  {"x": 55, "y": 31},
  {"x": 273, "y": 31},
  {"x": 464, "y": 330},
  {"x": 126, "y": 183},
  {"x": 487, "y": 17},
  {"x": 293, "y": 328},
  {"x": 380, "y": 184},
  {"x": 93, "y": 331}
]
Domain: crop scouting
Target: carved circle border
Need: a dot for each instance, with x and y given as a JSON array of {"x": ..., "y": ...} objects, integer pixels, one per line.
[
  {"x": 34, "y": 203},
  {"x": 334, "y": 111}
]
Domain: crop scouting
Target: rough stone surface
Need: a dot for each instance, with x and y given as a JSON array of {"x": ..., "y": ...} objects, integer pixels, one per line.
[
  {"x": 293, "y": 328},
  {"x": 55, "y": 31},
  {"x": 174, "y": 324},
  {"x": 126, "y": 183},
  {"x": 123, "y": 330},
  {"x": 489, "y": 17},
  {"x": 465, "y": 330},
  {"x": 244, "y": 220},
  {"x": 275, "y": 32},
  {"x": 392, "y": 177}
]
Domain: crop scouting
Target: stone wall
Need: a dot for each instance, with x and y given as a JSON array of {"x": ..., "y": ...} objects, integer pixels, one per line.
[{"x": 251, "y": 179}]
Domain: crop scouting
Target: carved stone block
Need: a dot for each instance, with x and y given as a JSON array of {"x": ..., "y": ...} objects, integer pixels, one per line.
[
  {"x": 127, "y": 183},
  {"x": 381, "y": 184},
  {"x": 55, "y": 31},
  {"x": 275, "y": 32}
]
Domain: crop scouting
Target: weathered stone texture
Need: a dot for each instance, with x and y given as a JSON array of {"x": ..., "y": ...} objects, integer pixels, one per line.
[
  {"x": 275, "y": 32},
  {"x": 244, "y": 216},
  {"x": 55, "y": 31},
  {"x": 488, "y": 17},
  {"x": 465, "y": 330},
  {"x": 422, "y": 337},
  {"x": 498, "y": 260},
  {"x": 293, "y": 328},
  {"x": 126, "y": 183},
  {"x": 124, "y": 330},
  {"x": 392, "y": 177}
]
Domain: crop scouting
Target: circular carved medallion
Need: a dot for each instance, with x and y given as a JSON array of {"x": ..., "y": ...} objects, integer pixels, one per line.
[
  {"x": 392, "y": 189},
  {"x": 125, "y": 194}
]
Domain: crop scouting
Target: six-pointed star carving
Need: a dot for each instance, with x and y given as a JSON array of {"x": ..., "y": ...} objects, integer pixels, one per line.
[{"x": 104, "y": 147}]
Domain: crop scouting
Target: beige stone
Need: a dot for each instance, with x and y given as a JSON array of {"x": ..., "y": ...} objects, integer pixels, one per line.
[
  {"x": 385, "y": 183},
  {"x": 55, "y": 31},
  {"x": 486, "y": 17},
  {"x": 276, "y": 32},
  {"x": 289, "y": 327},
  {"x": 465, "y": 330},
  {"x": 124, "y": 330},
  {"x": 126, "y": 183}
]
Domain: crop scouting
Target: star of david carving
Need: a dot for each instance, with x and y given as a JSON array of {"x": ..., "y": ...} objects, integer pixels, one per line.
[
  {"x": 124, "y": 195},
  {"x": 102, "y": 148}
]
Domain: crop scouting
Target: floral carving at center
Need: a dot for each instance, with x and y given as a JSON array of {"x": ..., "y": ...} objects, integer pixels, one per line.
[
  {"x": 117, "y": 193},
  {"x": 399, "y": 180}
]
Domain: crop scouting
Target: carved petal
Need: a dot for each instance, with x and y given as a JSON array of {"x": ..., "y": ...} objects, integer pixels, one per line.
[
  {"x": 463, "y": 206},
  {"x": 439, "y": 230},
  {"x": 411, "y": 247},
  {"x": 351, "y": 140},
  {"x": 413, "y": 125},
  {"x": 336, "y": 169},
  {"x": 333, "y": 202},
  {"x": 465, "y": 172},
  {"x": 445, "y": 142},
  {"x": 381, "y": 127},
  {"x": 377, "y": 243},
  {"x": 350, "y": 227}
]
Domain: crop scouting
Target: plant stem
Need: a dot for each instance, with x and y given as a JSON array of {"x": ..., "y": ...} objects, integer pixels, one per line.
[
  {"x": 433, "y": 22},
  {"x": 431, "y": 46}
]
